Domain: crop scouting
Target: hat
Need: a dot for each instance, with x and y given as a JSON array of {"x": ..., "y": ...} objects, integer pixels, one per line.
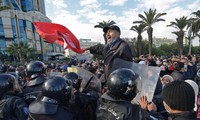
[
  {"x": 112, "y": 27},
  {"x": 179, "y": 95},
  {"x": 170, "y": 78}
]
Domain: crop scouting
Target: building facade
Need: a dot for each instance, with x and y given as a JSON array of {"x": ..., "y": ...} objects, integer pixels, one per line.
[
  {"x": 84, "y": 43},
  {"x": 16, "y": 25}
]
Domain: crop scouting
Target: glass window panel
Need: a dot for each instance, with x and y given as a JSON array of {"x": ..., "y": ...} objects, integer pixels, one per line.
[{"x": 15, "y": 5}]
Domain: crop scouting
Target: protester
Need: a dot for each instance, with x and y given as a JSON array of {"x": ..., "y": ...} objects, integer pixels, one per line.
[
  {"x": 179, "y": 98},
  {"x": 115, "y": 48},
  {"x": 166, "y": 79},
  {"x": 177, "y": 74}
]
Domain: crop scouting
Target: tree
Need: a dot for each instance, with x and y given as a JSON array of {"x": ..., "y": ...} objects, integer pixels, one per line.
[
  {"x": 104, "y": 24},
  {"x": 148, "y": 20},
  {"x": 20, "y": 50},
  {"x": 196, "y": 22},
  {"x": 139, "y": 29},
  {"x": 194, "y": 25},
  {"x": 179, "y": 24}
]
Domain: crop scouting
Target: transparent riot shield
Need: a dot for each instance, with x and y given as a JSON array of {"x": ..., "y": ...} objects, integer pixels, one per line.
[
  {"x": 147, "y": 80},
  {"x": 89, "y": 80}
]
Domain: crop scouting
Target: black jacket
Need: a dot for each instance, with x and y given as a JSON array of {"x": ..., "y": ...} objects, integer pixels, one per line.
[
  {"x": 110, "y": 109},
  {"x": 39, "y": 110},
  {"x": 118, "y": 49},
  {"x": 13, "y": 108},
  {"x": 33, "y": 89}
]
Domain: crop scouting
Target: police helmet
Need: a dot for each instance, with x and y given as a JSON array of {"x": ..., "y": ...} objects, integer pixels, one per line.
[
  {"x": 122, "y": 84},
  {"x": 74, "y": 79},
  {"x": 58, "y": 89},
  {"x": 35, "y": 67},
  {"x": 7, "y": 82},
  {"x": 14, "y": 74}
]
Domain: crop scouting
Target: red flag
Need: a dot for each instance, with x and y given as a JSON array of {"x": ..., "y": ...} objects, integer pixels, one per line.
[{"x": 52, "y": 32}]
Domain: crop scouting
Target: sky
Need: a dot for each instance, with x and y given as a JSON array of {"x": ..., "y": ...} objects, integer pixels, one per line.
[{"x": 80, "y": 16}]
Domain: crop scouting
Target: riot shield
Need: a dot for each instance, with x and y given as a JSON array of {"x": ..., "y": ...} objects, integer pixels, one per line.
[
  {"x": 89, "y": 80},
  {"x": 147, "y": 80}
]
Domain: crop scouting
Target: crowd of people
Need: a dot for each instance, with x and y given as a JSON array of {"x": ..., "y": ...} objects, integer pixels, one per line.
[{"x": 32, "y": 92}]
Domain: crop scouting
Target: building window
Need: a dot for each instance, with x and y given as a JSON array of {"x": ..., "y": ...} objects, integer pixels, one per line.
[
  {"x": 5, "y": 3},
  {"x": 2, "y": 44},
  {"x": 1, "y": 28},
  {"x": 14, "y": 30},
  {"x": 28, "y": 25},
  {"x": 16, "y": 7},
  {"x": 27, "y": 5},
  {"x": 22, "y": 30},
  {"x": 50, "y": 47}
]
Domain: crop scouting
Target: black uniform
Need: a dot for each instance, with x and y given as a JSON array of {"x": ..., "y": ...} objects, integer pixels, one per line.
[
  {"x": 110, "y": 109},
  {"x": 13, "y": 108},
  {"x": 33, "y": 88},
  {"x": 85, "y": 105},
  {"x": 53, "y": 104},
  {"x": 115, "y": 103},
  {"x": 40, "y": 110}
]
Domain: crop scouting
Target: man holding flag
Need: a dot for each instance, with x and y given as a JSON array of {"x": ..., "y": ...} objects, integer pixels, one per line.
[{"x": 115, "y": 48}]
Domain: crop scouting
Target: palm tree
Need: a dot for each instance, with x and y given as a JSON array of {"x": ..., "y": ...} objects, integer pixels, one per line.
[
  {"x": 139, "y": 29},
  {"x": 148, "y": 20},
  {"x": 179, "y": 24},
  {"x": 20, "y": 50},
  {"x": 194, "y": 24},
  {"x": 104, "y": 24},
  {"x": 190, "y": 37}
]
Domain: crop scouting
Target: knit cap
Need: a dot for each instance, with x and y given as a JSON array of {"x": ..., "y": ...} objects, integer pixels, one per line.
[{"x": 179, "y": 95}]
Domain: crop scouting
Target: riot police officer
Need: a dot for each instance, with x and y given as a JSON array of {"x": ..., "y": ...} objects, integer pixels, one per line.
[
  {"x": 115, "y": 103},
  {"x": 84, "y": 95},
  {"x": 12, "y": 107},
  {"x": 53, "y": 105},
  {"x": 35, "y": 73}
]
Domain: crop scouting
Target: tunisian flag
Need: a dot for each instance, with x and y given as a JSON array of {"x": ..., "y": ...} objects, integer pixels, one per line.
[{"x": 52, "y": 32}]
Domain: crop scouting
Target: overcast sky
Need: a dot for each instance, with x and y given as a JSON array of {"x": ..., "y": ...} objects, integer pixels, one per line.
[{"x": 80, "y": 16}]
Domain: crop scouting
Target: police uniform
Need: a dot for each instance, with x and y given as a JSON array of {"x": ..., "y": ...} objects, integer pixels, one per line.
[
  {"x": 40, "y": 110},
  {"x": 33, "y": 88},
  {"x": 53, "y": 104},
  {"x": 13, "y": 108}
]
